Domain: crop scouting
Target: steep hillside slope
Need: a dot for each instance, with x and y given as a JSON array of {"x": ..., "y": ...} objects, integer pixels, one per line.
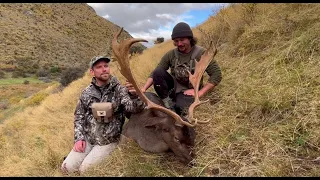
[{"x": 35, "y": 35}]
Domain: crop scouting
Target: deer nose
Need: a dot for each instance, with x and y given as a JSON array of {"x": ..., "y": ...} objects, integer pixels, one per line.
[{"x": 191, "y": 164}]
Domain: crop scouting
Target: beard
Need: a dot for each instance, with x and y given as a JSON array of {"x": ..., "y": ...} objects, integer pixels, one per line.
[{"x": 103, "y": 77}]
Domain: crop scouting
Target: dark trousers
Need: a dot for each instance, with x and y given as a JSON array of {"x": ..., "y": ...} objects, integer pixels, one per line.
[{"x": 164, "y": 85}]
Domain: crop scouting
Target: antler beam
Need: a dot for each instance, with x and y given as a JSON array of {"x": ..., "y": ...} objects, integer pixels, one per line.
[
  {"x": 121, "y": 52},
  {"x": 200, "y": 67}
]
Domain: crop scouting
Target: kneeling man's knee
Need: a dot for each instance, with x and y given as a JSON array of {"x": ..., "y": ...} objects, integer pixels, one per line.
[
  {"x": 69, "y": 167},
  {"x": 159, "y": 71}
]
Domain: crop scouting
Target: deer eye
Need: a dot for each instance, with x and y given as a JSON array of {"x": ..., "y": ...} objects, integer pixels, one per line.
[
  {"x": 176, "y": 139},
  {"x": 165, "y": 129}
]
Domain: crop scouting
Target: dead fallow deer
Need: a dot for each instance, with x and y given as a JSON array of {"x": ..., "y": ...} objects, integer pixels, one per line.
[{"x": 157, "y": 129}]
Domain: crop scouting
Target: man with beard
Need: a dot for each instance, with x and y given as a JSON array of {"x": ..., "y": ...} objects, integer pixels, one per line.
[
  {"x": 99, "y": 116},
  {"x": 175, "y": 88}
]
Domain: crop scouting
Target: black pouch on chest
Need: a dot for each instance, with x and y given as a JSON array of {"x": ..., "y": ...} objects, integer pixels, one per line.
[
  {"x": 182, "y": 74},
  {"x": 181, "y": 70}
]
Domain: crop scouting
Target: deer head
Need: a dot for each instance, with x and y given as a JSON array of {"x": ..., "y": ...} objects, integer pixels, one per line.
[{"x": 121, "y": 52}]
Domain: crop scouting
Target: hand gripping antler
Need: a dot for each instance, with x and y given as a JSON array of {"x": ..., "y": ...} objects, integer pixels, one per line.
[
  {"x": 121, "y": 53},
  {"x": 195, "y": 78}
]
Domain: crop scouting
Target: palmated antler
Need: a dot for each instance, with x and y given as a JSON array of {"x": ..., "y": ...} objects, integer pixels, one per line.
[
  {"x": 195, "y": 78},
  {"x": 121, "y": 53}
]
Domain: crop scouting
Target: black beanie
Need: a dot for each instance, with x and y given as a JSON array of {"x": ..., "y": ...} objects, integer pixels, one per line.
[{"x": 181, "y": 30}]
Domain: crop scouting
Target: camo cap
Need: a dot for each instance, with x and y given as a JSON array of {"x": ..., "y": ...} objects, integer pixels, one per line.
[{"x": 97, "y": 58}]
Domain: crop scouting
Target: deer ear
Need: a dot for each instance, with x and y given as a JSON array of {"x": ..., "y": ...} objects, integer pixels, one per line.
[
  {"x": 178, "y": 124},
  {"x": 153, "y": 123}
]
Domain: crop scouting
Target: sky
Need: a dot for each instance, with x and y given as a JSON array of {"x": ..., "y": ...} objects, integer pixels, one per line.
[{"x": 152, "y": 20}]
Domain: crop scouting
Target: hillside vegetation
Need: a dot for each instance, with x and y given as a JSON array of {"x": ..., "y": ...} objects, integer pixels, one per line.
[
  {"x": 44, "y": 38},
  {"x": 45, "y": 42},
  {"x": 14, "y": 91},
  {"x": 265, "y": 112}
]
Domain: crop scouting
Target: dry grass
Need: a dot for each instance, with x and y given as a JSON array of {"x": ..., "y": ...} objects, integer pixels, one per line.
[
  {"x": 265, "y": 113},
  {"x": 13, "y": 95},
  {"x": 35, "y": 139}
]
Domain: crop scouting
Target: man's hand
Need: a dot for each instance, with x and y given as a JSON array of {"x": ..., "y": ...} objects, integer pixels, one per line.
[
  {"x": 79, "y": 146},
  {"x": 190, "y": 92},
  {"x": 130, "y": 88},
  {"x": 143, "y": 90}
]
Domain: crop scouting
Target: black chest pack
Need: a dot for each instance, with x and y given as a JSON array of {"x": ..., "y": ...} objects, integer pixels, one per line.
[{"x": 181, "y": 70}]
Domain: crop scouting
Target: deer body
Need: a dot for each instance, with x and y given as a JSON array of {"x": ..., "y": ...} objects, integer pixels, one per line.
[{"x": 156, "y": 132}]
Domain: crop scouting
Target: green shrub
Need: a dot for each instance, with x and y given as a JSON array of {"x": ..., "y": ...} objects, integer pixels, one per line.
[
  {"x": 18, "y": 73},
  {"x": 55, "y": 69},
  {"x": 70, "y": 74},
  {"x": 43, "y": 72},
  {"x": 136, "y": 50},
  {"x": 36, "y": 99},
  {"x": 159, "y": 40}
]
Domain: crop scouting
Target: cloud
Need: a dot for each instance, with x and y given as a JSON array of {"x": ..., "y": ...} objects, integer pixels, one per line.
[{"x": 149, "y": 20}]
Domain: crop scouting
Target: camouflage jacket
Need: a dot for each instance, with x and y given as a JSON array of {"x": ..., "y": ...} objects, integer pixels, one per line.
[{"x": 102, "y": 133}]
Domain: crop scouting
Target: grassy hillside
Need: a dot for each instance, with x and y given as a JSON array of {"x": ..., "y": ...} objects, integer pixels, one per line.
[
  {"x": 51, "y": 36},
  {"x": 42, "y": 41},
  {"x": 15, "y": 90},
  {"x": 265, "y": 112}
]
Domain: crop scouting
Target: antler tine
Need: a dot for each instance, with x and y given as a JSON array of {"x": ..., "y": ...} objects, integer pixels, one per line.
[
  {"x": 125, "y": 45},
  {"x": 121, "y": 53},
  {"x": 200, "y": 67}
]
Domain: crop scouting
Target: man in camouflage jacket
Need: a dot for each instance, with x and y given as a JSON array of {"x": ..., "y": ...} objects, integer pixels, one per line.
[{"x": 95, "y": 139}]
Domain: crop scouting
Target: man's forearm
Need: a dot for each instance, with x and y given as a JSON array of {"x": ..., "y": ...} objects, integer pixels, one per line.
[
  {"x": 207, "y": 87},
  {"x": 78, "y": 131},
  {"x": 148, "y": 84}
]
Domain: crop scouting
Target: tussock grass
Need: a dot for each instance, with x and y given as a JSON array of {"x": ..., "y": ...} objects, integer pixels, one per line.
[{"x": 264, "y": 114}]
